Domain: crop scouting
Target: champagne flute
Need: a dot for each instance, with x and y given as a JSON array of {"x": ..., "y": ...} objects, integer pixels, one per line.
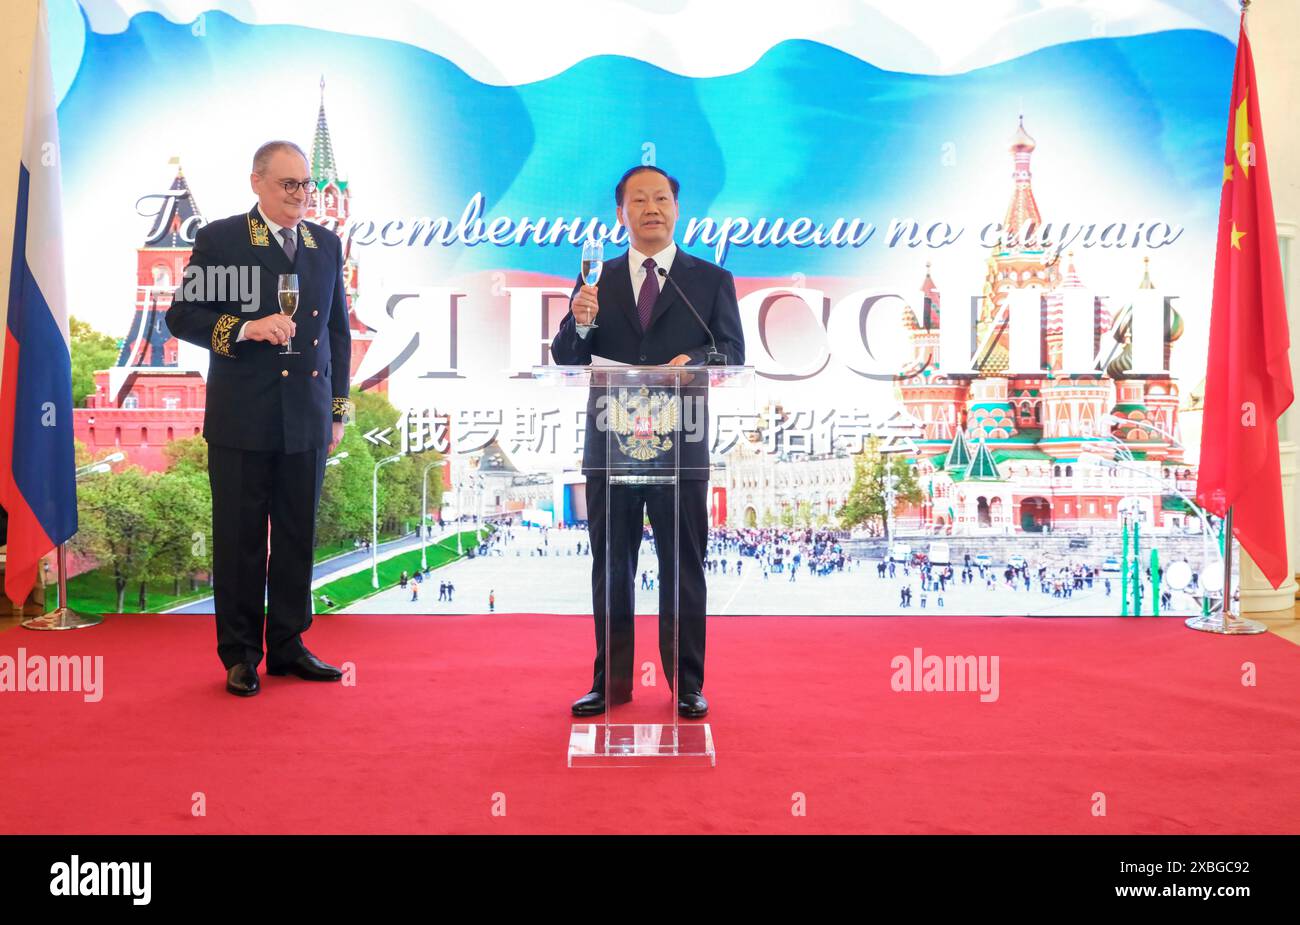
[
  {"x": 287, "y": 290},
  {"x": 593, "y": 260}
]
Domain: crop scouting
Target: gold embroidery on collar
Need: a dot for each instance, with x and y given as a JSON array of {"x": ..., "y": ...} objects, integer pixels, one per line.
[
  {"x": 221, "y": 332},
  {"x": 258, "y": 234},
  {"x": 307, "y": 239}
]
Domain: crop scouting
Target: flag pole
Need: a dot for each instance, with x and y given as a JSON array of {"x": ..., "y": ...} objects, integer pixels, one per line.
[
  {"x": 1226, "y": 610},
  {"x": 1225, "y": 622},
  {"x": 62, "y": 617}
]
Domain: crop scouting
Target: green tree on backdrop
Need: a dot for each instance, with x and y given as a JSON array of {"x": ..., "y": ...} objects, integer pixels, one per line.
[
  {"x": 344, "y": 513},
  {"x": 141, "y": 527},
  {"x": 865, "y": 505},
  {"x": 399, "y": 482},
  {"x": 91, "y": 352},
  {"x": 188, "y": 464}
]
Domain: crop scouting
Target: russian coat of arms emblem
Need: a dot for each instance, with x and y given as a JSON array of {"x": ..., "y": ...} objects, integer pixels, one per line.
[{"x": 643, "y": 421}]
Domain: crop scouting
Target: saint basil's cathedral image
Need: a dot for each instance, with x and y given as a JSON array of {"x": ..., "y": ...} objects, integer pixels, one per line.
[{"x": 1006, "y": 454}]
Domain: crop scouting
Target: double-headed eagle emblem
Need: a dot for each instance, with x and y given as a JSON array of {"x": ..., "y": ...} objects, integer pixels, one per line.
[{"x": 640, "y": 422}]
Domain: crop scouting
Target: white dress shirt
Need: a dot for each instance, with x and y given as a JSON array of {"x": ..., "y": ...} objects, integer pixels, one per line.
[
  {"x": 275, "y": 233},
  {"x": 635, "y": 259}
]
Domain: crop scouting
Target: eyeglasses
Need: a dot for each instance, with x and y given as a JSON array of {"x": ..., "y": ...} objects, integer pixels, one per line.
[{"x": 308, "y": 186}]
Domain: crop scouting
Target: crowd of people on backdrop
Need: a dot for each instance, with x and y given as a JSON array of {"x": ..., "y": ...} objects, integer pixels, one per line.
[{"x": 787, "y": 553}]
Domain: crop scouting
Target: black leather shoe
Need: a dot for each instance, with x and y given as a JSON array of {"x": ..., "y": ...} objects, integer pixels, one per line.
[
  {"x": 593, "y": 703},
  {"x": 306, "y": 666},
  {"x": 590, "y": 704},
  {"x": 241, "y": 680},
  {"x": 692, "y": 706}
]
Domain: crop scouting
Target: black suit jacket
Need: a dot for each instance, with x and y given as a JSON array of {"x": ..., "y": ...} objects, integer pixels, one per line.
[
  {"x": 258, "y": 399},
  {"x": 672, "y": 330}
]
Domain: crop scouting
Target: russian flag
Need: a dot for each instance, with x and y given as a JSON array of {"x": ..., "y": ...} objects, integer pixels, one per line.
[{"x": 37, "y": 469}]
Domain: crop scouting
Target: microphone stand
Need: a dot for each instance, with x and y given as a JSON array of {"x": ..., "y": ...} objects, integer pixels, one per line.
[{"x": 713, "y": 358}]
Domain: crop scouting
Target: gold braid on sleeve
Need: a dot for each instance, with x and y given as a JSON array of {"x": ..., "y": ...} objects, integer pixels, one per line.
[{"x": 221, "y": 333}]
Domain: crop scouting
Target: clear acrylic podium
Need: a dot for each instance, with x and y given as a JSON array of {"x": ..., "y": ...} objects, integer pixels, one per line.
[{"x": 647, "y": 432}]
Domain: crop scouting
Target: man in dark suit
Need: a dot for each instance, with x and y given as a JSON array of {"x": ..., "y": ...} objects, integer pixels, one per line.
[
  {"x": 271, "y": 419},
  {"x": 645, "y": 321}
]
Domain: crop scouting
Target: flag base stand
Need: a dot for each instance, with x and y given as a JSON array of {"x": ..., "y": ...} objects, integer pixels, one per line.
[
  {"x": 1225, "y": 622},
  {"x": 1233, "y": 626},
  {"x": 62, "y": 617}
]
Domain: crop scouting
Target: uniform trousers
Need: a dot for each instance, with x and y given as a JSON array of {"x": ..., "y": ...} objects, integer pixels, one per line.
[{"x": 256, "y": 495}]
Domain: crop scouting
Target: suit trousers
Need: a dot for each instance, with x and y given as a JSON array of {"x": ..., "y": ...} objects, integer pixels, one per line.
[
  {"x": 251, "y": 490},
  {"x": 621, "y": 524}
]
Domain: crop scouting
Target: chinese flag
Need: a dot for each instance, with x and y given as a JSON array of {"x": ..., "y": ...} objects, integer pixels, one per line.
[{"x": 1248, "y": 381}]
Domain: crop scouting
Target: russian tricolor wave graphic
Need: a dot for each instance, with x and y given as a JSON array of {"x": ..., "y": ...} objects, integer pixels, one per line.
[{"x": 37, "y": 470}]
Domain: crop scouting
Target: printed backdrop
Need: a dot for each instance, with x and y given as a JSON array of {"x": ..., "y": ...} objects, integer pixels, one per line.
[{"x": 466, "y": 153}]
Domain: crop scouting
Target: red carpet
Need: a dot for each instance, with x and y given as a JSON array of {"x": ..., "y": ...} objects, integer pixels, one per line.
[{"x": 449, "y": 711}]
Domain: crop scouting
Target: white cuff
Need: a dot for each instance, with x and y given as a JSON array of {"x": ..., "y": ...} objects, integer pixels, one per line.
[
  {"x": 241, "y": 336},
  {"x": 582, "y": 332}
]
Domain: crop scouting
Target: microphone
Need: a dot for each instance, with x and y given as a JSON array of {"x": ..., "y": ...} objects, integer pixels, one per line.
[{"x": 714, "y": 358}]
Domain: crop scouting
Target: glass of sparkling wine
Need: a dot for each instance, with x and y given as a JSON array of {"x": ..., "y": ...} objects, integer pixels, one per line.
[
  {"x": 593, "y": 259},
  {"x": 287, "y": 290}
]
